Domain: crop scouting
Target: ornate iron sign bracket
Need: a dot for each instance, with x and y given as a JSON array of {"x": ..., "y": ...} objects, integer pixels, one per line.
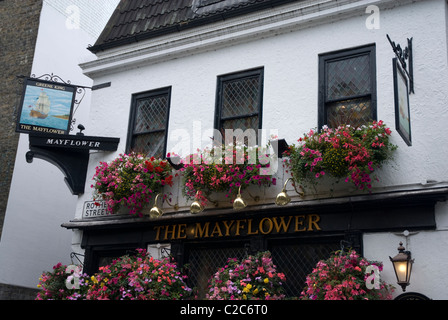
[
  {"x": 406, "y": 59},
  {"x": 52, "y": 78}
]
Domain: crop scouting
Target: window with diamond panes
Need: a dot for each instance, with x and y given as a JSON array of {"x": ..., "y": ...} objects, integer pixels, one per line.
[
  {"x": 347, "y": 87},
  {"x": 149, "y": 122},
  {"x": 296, "y": 258},
  {"x": 203, "y": 262},
  {"x": 239, "y": 102}
]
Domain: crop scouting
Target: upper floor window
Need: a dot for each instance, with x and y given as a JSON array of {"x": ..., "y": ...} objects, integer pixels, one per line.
[
  {"x": 148, "y": 124},
  {"x": 347, "y": 87},
  {"x": 239, "y": 101}
]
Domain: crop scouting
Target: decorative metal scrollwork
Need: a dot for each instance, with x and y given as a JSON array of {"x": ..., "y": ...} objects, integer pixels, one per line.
[
  {"x": 80, "y": 91},
  {"x": 51, "y": 77},
  {"x": 405, "y": 57}
]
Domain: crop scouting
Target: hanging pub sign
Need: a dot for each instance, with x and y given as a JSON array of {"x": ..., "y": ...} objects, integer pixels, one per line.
[
  {"x": 403, "y": 71},
  {"x": 46, "y": 107},
  {"x": 401, "y": 100}
]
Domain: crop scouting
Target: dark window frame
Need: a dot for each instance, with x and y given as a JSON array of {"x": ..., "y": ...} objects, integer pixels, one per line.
[
  {"x": 240, "y": 75},
  {"x": 344, "y": 54},
  {"x": 133, "y": 112}
]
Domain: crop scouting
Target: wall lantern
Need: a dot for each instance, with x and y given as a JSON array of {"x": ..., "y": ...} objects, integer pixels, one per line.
[
  {"x": 283, "y": 198},
  {"x": 155, "y": 211},
  {"x": 402, "y": 263},
  {"x": 196, "y": 206},
  {"x": 239, "y": 202}
]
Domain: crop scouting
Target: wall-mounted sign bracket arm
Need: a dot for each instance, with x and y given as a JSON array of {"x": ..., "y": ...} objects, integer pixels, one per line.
[{"x": 70, "y": 153}]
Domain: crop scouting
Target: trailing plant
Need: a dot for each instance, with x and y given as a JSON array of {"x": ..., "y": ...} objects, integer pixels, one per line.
[
  {"x": 252, "y": 278},
  {"x": 139, "y": 277},
  {"x": 348, "y": 153},
  {"x": 344, "y": 276},
  {"x": 225, "y": 169},
  {"x": 54, "y": 285},
  {"x": 130, "y": 180},
  {"x": 130, "y": 277}
]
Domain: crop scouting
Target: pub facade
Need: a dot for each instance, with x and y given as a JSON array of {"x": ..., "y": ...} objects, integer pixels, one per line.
[{"x": 168, "y": 75}]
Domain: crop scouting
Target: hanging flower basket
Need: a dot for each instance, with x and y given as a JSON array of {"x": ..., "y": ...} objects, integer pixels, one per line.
[
  {"x": 348, "y": 153},
  {"x": 139, "y": 277},
  {"x": 135, "y": 276},
  {"x": 344, "y": 276},
  {"x": 130, "y": 181},
  {"x": 252, "y": 278},
  {"x": 225, "y": 169}
]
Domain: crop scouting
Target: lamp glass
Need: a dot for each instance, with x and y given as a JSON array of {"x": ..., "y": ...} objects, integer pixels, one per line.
[{"x": 401, "y": 269}]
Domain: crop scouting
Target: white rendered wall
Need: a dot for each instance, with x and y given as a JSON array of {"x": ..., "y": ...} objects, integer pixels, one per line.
[
  {"x": 290, "y": 61},
  {"x": 290, "y": 64},
  {"x": 428, "y": 251},
  {"x": 39, "y": 200}
]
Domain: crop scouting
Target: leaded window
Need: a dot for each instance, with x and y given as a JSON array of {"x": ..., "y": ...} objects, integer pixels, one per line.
[
  {"x": 149, "y": 122},
  {"x": 347, "y": 87},
  {"x": 296, "y": 258},
  {"x": 239, "y": 101}
]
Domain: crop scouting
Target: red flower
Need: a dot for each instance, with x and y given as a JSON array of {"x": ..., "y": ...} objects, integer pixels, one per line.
[
  {"x": 168, "y": 180},
  {"x": 149, "y": 166}
]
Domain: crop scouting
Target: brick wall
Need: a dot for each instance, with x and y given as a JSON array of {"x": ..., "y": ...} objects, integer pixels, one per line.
[
  {"x": 8, "y": 292},
  {"x": 19, "y": 23}
]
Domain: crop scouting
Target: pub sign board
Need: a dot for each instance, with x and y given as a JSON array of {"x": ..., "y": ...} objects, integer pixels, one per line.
[
  {"x": 401, "y": 99},
  {"x": 77, "y": 142},
  {"x": 46, "y": 107}
]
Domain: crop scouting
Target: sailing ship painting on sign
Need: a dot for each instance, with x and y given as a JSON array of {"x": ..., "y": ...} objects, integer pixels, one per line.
[
  {"x": 46, "y": 107},
  {"x": 42, "y": 106}
]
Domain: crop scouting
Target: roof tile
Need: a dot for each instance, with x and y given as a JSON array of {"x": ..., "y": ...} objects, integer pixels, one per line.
[{"x": 134, "y": 20}]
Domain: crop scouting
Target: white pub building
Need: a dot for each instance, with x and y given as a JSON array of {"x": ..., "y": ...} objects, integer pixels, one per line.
[{"x": 167, "y": 73}]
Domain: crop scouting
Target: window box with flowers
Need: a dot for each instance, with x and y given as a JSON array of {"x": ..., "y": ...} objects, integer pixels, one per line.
[
  {"x": 348, "y": 153},
  {"x": 225, "y": 169},
  {"x": 130, "y": 181}
]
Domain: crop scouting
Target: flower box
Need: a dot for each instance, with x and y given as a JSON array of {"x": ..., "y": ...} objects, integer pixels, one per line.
[
  {"x": 131, "y": 181},
  {"x": 345, "y": 153},
  {"x": 225, "y": 170}
]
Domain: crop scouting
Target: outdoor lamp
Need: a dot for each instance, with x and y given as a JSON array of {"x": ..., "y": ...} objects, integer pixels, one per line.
[
  {"x": 402, "y": 263},
  {"x": 155, "y": 211},
  {"x": 239, "y": 202},
  {"x": 196, "y": 206},
  {"x": 282, "y": 198}
]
